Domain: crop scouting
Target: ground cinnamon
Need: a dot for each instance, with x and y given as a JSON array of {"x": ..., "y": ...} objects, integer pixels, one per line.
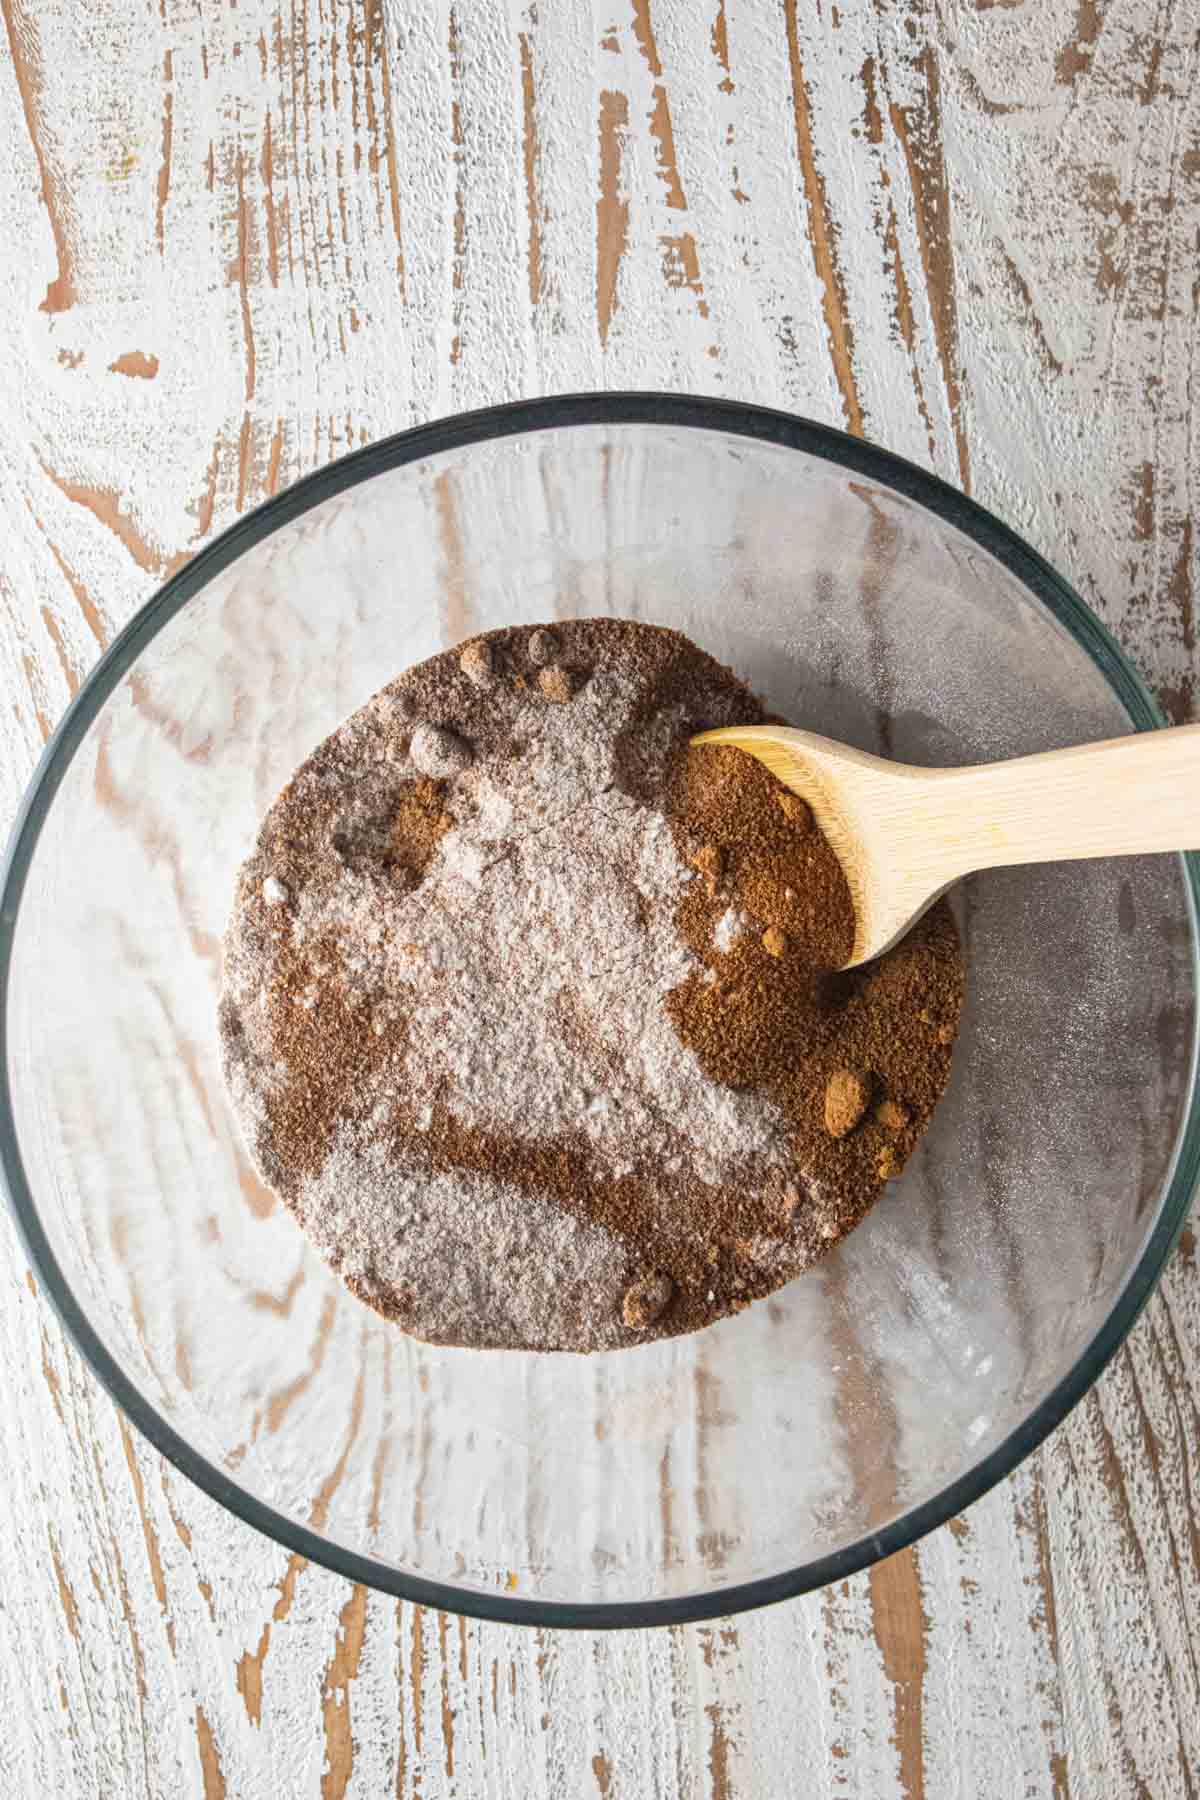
[
  {"x": 476, "y": 889},
  {"x": 826, "y": 1045}
]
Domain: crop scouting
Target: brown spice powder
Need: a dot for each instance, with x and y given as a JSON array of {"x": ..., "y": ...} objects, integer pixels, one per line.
[
  {"x": 764, "y": 1009},
  {"x": 825, "y": 1043}
]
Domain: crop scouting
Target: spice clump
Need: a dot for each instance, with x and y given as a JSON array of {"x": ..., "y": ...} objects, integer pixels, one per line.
[{"x": 846, "y": 1096}]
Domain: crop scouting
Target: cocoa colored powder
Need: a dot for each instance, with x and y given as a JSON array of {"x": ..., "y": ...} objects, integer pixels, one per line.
[
  {"x": 533, "y": 1011},
  {"x": 777, "y": 1013}
]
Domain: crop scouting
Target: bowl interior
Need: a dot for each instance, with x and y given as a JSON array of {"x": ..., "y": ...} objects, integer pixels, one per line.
[{"x": 781, "y": 1437}]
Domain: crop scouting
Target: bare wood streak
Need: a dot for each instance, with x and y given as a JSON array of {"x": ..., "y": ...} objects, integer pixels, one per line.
[
  {"x": 339, "y": 1677},
  {"x": 901, "y": 1626},
  {"x": 136, "y": 363},
  {"x": 210, "y": 1760},
  {"x": 612, "y": 212},
  {"x": 24, "y": 48},
  {"x": 533, "y": 157},
  {"x": 821, "y": 234},
  {"x": 105, "y": 506},
  {"x": 920, "y": 134},
  {"x": 168, "y": 133}
]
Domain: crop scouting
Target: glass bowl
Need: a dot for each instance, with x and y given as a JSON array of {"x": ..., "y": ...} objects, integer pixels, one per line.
[{"x": 784, "y": 1447}]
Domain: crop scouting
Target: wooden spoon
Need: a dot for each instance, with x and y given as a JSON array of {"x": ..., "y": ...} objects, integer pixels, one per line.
[{"x": 903, "y": 835}]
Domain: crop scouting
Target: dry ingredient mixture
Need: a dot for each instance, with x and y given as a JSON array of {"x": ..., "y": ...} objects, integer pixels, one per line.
[{"x": 531, "y": 1010}]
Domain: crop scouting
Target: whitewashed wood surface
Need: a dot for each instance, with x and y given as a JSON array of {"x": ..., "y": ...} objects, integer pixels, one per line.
[{"x": 240, "y": 238}]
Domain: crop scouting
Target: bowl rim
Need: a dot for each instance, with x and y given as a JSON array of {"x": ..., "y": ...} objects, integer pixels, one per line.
[{"x": 518, "y": 418}]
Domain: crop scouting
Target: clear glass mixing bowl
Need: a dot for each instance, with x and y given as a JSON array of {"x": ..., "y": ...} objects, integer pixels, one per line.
[{"x": 811, "y": 1434}]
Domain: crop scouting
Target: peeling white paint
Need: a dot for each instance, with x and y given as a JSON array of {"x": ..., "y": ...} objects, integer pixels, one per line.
[{"x": 317, "y": 223}]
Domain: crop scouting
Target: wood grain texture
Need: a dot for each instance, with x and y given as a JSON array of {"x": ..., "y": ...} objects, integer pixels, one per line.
[{"x": 251, "y": 236}]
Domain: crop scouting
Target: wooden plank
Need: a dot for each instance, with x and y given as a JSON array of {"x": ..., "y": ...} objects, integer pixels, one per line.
[{"x": 257, "y": 235}]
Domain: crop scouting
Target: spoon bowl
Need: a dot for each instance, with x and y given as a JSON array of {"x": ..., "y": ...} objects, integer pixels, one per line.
[{"x": 903, "y": 834}]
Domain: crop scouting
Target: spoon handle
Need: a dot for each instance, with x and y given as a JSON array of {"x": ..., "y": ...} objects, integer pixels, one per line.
[{"x": 1118, "y": 798}]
